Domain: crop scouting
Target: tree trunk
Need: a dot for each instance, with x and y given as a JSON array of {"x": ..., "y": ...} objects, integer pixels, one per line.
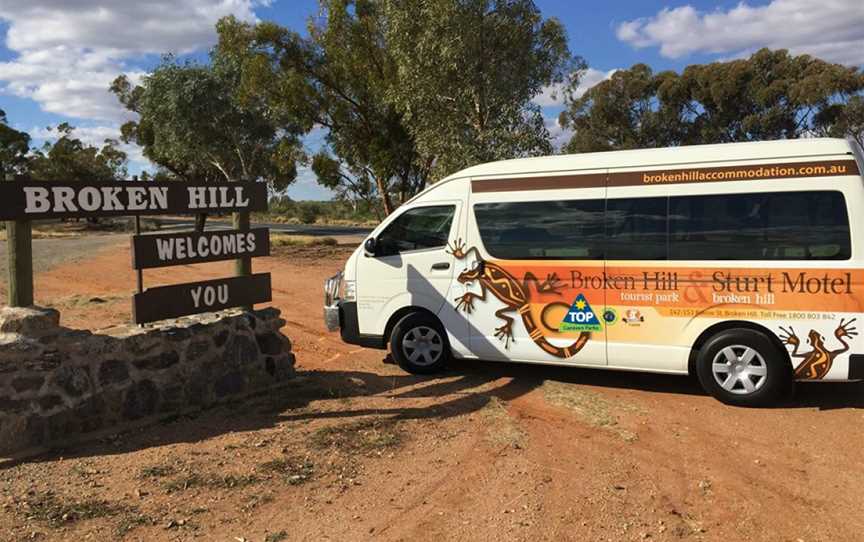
[
  {"x": 384, "y": 194},
  {"x": 200, "y": 222}
]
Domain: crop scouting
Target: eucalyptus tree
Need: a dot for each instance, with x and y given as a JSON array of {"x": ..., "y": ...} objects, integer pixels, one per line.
[
  {"x": 68, "y": 158},
  {"x": 14, "y": 146},
  {"x": 770, "y": 95},
  {"x": 199, "y": 122},
  {"x": 337, "y": 78},
  {"x": 467, "y": 73}
]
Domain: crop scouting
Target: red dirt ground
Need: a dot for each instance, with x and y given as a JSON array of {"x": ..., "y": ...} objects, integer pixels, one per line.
[{"x": 355, "y": 449}]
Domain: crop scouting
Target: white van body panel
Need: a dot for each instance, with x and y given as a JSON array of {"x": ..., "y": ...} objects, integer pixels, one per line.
[{"x": 385, "y": 288}]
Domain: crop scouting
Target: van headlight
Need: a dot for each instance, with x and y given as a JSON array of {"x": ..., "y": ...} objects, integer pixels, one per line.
[{"x": 349, "y": 290}]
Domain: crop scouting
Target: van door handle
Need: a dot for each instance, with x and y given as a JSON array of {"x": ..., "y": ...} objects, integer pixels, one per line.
[{"x": 440, "y": 266}]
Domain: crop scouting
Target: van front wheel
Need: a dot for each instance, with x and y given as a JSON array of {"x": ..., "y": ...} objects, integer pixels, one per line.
[
  {"x": 743, "y": 367},
  {"x": 419, "y": 344}
]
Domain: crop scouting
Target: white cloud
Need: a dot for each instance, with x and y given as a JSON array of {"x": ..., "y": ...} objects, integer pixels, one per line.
[
  {"x": 830, "y": 29},
  {"x": 69, "y": 52},
  {"x": 553, "y": 95}
]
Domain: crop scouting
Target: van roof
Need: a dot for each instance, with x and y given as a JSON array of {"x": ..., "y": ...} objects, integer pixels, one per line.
[{"x": 669, "y": 156}]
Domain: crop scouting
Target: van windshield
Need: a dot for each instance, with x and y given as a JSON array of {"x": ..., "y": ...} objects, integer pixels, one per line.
[{"x": 417, "y": 229}]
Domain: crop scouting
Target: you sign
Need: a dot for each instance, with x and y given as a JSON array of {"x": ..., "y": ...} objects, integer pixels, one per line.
[{"x": 197, "y": 297}]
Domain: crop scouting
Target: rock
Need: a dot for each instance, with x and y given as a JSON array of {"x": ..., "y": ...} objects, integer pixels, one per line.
[
  {"x": 13, "y": 405},
  {"x": 29, "y": 321},
  {"x": 241, "y": 351},
  {"x": 73, "y": 380},
  {"x": 159, "y": 362},
  {"x": 113, "y": 371},
  {"x": 197, "y": 349},
  {"x": 27, "y": 383},
  {"x": 50, "y": 402},
  {"x": 141, "y": 400},
  {"x": 221, "y": 338},
  {"x": 271, "y": 344},
  {"x": 230, "y": 384}
]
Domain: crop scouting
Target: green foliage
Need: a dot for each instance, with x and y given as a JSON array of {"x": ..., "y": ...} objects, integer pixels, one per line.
[
  {"x": 771, "y": 95},
  {"x": 337, "y": 79},
  {"x": 14, "y": 146},
  {"x": 843, "y": 119},
  {"x": 200, "y": 123},
  {"x": 284, "y": 209},
  {"x": 409, "y": 91},
  {"x": 467, "y": 71},
  {"x": 70, "y": 159}
]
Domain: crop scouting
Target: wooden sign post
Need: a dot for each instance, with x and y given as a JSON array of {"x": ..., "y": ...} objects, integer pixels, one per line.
[{"x": 19, "y": 251}]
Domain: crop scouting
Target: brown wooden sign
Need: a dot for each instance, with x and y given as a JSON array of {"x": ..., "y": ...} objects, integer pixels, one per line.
[
  {"x": 178, "y": 300},
  {"x": 166, "y": 250},
  {"x": 36, "y": 200}
]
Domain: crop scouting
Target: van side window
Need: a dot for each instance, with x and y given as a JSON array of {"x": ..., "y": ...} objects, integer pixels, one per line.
[
  {"x": 416, "y": 229},
  {"x": 636, "y": 229},
  {"x": 762, "y": 226},
  {"x": 548, "y": 230}
]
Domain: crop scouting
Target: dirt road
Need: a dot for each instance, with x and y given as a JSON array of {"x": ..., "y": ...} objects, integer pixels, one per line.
[
  {"x": 355, "y": 449},
  {"x": 48, "y": 253}
]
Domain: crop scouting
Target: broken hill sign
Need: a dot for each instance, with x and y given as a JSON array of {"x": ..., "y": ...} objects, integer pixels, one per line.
[
  {"x": 37, "y": 200},
  {"x": 26, "y": 201}
]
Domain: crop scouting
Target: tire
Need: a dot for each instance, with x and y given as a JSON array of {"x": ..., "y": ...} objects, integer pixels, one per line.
[
  {"x": 419, "y": 344},
  {"x": 743, "y": 367}
]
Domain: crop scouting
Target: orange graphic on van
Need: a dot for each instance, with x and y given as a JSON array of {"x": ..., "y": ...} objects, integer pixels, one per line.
[
  {"x": 515, "y": 295},
  {"x": 818, "y": 361}
]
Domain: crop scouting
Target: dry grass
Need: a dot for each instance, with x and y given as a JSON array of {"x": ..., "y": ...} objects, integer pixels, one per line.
[
  {"x": 592, "y": 407},
  {"x": 502, "y": 429},
  {"x": 211, "y": 481},
  {"x": 55, "y": 512},
  {"x": 280, "y": 240},
  {"x": 364, "y": 436},
  {"x": 295, "y": 470},
  {"x": 156, "y": 471}
]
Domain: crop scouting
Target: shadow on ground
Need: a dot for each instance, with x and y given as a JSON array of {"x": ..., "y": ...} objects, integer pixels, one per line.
[{"x": 468, "y": 387}]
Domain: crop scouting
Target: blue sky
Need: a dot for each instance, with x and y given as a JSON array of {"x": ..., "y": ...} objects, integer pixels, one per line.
[{"x": 56, "y": 57}]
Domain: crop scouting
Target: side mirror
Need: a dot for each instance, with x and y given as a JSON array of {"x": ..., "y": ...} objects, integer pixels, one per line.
[{"x": 369, "y": 247}]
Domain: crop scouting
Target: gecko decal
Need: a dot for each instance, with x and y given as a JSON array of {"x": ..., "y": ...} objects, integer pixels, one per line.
[
  {"x": 818, "y": 361},
  {"x": 517, "y": 296}
]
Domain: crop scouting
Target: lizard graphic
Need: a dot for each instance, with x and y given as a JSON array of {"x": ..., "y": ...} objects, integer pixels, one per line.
[
  {"x": 504, "y": 286},
  {"x": 818, "y": 361}
]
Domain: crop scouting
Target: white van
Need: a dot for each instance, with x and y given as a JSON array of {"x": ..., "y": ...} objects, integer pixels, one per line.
[{"x": 736, "y": 262}]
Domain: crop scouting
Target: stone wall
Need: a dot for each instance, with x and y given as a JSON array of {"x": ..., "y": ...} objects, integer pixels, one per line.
[{"x": 57, "y": 384}]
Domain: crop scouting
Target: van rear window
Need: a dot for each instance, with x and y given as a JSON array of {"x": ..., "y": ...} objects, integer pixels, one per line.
[
  {"x": 764, "y": 226},
  {"x": 542, "y": 230},
  {"x": 811, "y": 225}
]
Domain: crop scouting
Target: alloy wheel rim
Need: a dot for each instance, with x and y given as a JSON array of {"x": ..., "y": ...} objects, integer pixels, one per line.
[
  {"x": 739, "y": 369},
  {"x": 422, "y": 346}
]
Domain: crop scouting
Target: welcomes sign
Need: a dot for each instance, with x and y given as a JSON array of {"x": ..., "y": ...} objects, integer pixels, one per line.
[
  {"x": 151, "y": 251},
  {"x": 38, "y": 200}
]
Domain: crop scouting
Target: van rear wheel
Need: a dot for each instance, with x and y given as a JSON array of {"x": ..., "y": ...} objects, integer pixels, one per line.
[
  {"x": 743, "y": 367},
  {"x": 419, "y": 344}
]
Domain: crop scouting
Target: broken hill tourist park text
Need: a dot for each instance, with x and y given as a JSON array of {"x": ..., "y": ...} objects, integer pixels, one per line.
[{"x": 33, "y": 200}]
